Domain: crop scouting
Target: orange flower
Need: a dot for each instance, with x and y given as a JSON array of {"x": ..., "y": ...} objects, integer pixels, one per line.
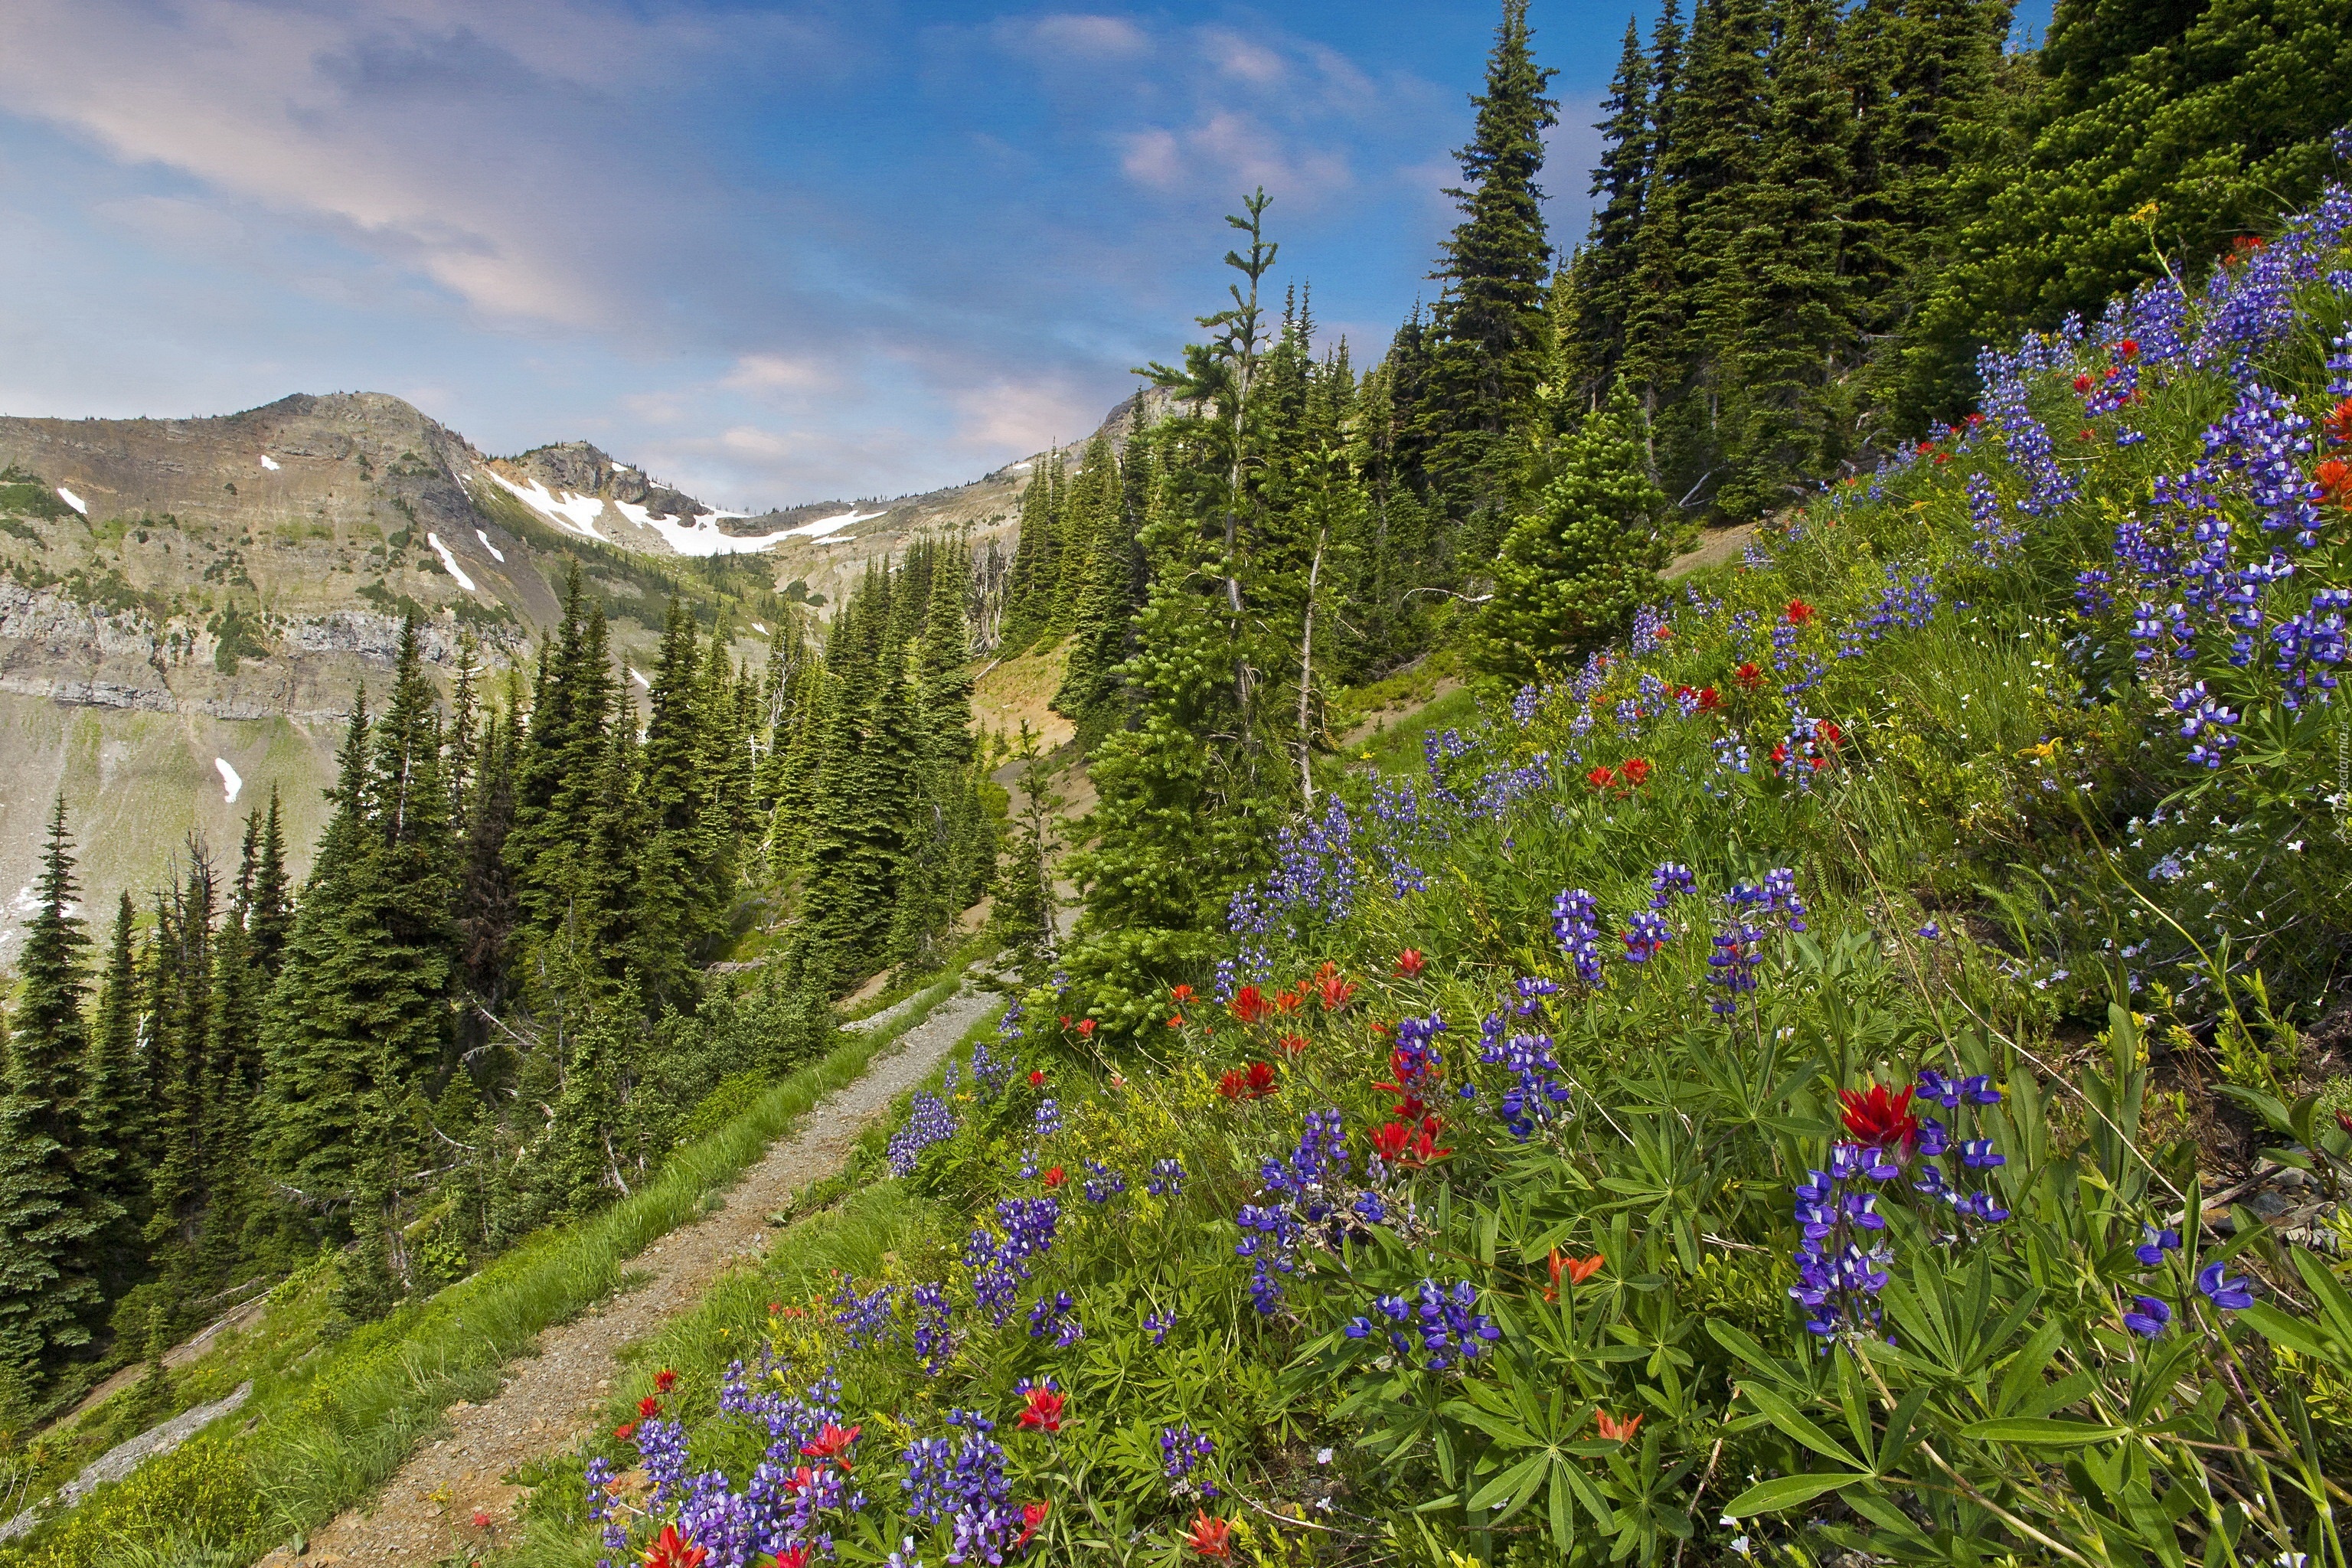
[
  {"x": 1602, "y": 777},
  {"x": 1613, "y": 1430},
  {"x": 1334, "y": 988},
  {"x": 1249, "y": 1005},
  {"x": 1086, "y": 1028},
  {"x": 1294, "y": 1045},
  {"x": 2339, "y": 423},
  {"x": 1210, "y": 1537},
  {"x": 2334, "y": 480},
  {"x": 1577, "y": 1270},
  {"x": 671, "y": 1550},
  {"x": 1182, "y": 993},
  {"x": 1290, "y": 1001},
  {"x": 1634, "y": 770}
]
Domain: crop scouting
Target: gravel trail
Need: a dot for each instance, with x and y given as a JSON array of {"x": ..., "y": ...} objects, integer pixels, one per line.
[{"x": 553, "y": 1400}]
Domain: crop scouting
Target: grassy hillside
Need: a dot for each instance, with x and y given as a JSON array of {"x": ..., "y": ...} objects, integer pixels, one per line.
[{"x": 1852, "y": 1068}]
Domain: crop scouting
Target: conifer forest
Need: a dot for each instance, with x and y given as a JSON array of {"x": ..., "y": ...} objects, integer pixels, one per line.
[{"x": 1695, "y": 914}]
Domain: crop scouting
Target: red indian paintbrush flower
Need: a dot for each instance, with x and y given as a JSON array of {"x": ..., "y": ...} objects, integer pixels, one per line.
[
  {"x": 1249, "y": 1005},
  {"x": 1333, "y": 987},
  {"x": 665, "y": 1380},
  {"x": 671, "y": 1550},
  {"x": 2338, "y": 423},
  {"x": 1799, "y": 611},
  {"x": 1210, "y": 1537},
  {"x": 1086, "y": 1028},
  {"x": 1602, "y": 777},
  {"x": 1291, "y": 1045},
  {"x": 1056, "y": 1176},
  {"x": 1878, "y": 1119},
  {"x": 790, "y": 1557},
  {"x": 1033, "y": 1514},
  {"x": 1748, "y": 676},
  {"x": 1634, "y": 770},
  {"x": 2082, "y": 384},
  {"x": 647, "y": 1407},
  {"x": 1044, "y": 1412},
  {"x": 832, "y": 1442},
  {"x": 1410, "y": 963},
  {"x": 2334, "y": 480}
]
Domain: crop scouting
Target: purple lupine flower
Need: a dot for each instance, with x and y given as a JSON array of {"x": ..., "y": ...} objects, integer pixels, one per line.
[
  {"x": 1576, "y": 927},
  {"x": 2230, "y": 1295},
  {"x": 2149, "y": 1318},
  {"x": 928, "y": 1121}
]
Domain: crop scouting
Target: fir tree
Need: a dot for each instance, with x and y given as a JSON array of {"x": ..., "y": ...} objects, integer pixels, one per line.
[
  {"x": 1490, "y": 323},
  {"x": 1595, "y": 327},
  {"x": 115, "y": 1110},
  {"x": 1576, "y": 566},
  {"x": 53, "y": 1206}
]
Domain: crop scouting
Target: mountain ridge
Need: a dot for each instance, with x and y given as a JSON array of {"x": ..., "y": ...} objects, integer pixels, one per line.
[{"x": 183, "y": 601}]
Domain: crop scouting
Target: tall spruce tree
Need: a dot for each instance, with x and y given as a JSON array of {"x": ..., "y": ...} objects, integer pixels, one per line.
[
  {"x": 115, "y": 1111},
  {"x": 53, "y": 1203},
  {"x": 1491, "y": 345},
  {"x": 1595, "y": 329}
]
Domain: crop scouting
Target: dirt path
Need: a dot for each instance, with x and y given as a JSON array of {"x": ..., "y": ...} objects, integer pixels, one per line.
[{"x": 553, "y": 1400}]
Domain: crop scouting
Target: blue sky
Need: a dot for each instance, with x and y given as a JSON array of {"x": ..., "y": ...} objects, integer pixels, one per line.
[{"x": 776, "y": 253}]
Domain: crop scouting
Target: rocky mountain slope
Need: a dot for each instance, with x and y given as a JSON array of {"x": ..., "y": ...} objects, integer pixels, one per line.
[{"x": 187, "y": 605}]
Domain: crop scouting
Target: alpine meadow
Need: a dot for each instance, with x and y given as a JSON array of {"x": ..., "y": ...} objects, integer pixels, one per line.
[{"x": 1699, "y": 913}]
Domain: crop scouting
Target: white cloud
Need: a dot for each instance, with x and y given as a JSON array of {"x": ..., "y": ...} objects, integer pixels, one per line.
[
  {"x": 780, "y": 372},
  {"x": 1086, "y": 36}
]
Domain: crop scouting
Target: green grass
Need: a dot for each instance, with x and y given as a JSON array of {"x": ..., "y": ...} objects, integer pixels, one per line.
[
  {"x": 1394, "y": 747},
  {"x": 323, "y": 1432}
]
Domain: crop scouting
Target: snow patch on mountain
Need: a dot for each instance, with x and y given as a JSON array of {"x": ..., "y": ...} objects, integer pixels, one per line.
[
  {"x": 450, "y": 563},
  {"x": 269, "y": 462},
  {"x": 73, "y": 500},
  {"x": 496, "y": 553},
  {"x": 230, "y": 782},
  {"x": 577, "y": 514},
  {"x": 700, "y": 536},
  {"x": 636, "y": 676}
]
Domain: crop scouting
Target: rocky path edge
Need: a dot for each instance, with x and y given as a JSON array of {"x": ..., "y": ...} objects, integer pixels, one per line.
[{"x": 552, "y": 1400}]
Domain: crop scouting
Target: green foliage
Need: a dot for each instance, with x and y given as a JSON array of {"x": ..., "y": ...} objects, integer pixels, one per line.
[
  {"x": 1572, "y": 571},
  {"x": 2148, "y": 138}
]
